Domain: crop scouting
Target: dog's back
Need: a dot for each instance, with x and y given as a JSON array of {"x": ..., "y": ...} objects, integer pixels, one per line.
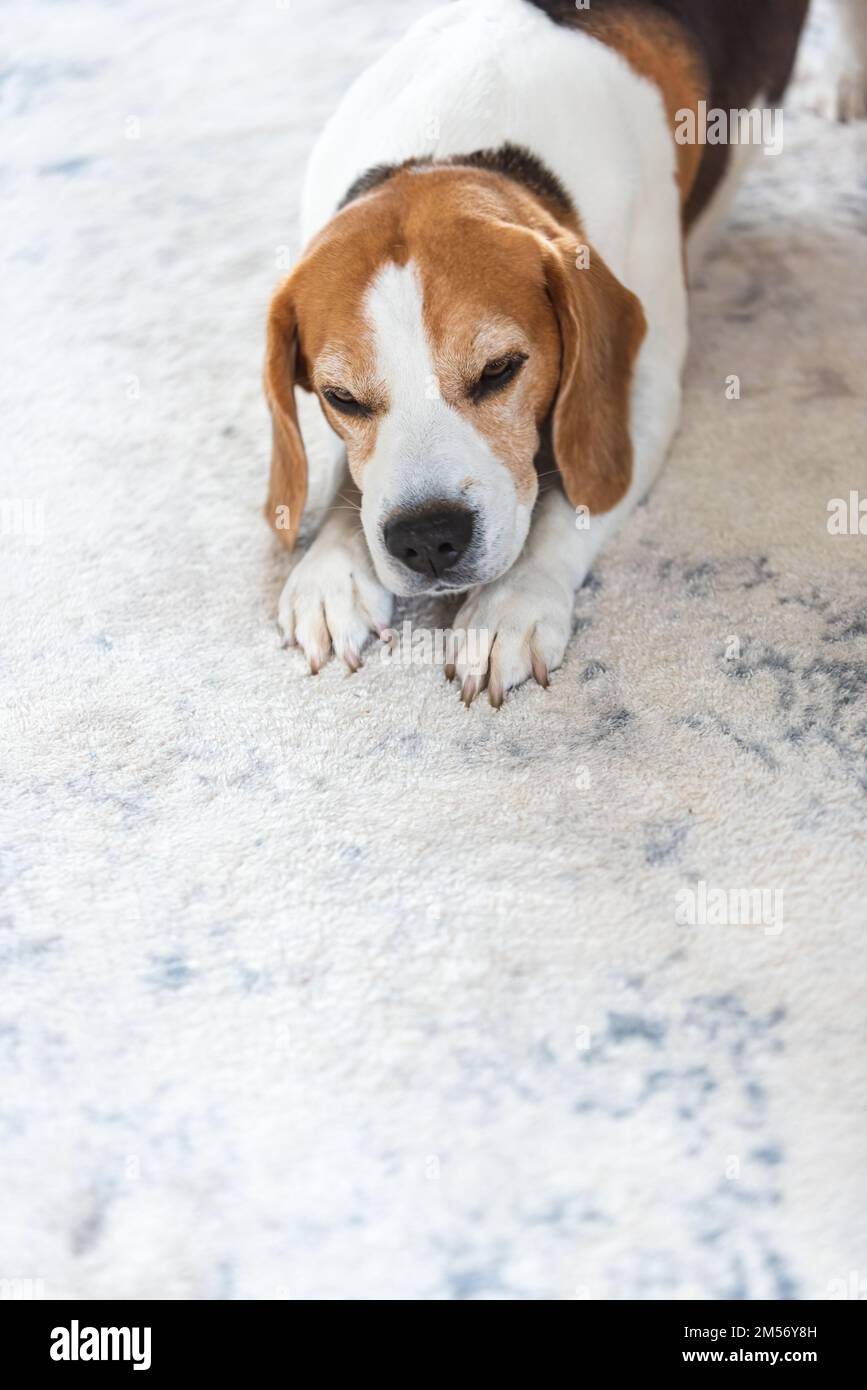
[{"x": 746, "y": 50}]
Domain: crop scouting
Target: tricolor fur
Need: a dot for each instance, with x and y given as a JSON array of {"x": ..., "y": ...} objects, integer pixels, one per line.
[{"x": 493, "y": 291}]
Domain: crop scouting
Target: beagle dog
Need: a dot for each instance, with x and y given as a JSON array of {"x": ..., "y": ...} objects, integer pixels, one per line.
[{"x": 491, "y": 308}]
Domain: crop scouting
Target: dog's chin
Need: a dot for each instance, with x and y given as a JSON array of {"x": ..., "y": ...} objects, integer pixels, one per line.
[
  {"x": 436, "y": 588},
  {"x": 407, "y": 587},
  {"x": 411, "y": 585}
]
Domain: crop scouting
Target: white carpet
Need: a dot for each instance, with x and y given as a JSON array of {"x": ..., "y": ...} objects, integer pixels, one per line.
[{"x": 330, "y": 987}]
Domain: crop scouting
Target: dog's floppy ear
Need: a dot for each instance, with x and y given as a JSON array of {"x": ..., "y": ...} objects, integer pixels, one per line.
[
  {"x": 602, "y": 326},
  {"x": 287, "y": 487}
]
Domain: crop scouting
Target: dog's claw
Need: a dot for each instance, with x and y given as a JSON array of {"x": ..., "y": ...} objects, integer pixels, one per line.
[
  {"x": 540, "y": 671},
  {"x": 470, "y": 690},
  {"x": 496, "y": 694}
]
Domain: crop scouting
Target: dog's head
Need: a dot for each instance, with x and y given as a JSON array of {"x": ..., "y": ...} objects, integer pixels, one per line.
[{"x": 442, "y": 318}]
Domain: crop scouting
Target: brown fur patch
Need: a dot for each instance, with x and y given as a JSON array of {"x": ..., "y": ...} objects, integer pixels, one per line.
[{"x": 658, "y": 48}]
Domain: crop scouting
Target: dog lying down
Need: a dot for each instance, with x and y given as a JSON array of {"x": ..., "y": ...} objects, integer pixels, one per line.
[{"x": 491, "y": 309}]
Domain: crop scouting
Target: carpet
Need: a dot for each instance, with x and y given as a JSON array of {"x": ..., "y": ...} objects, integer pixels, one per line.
[{"x": 329, "y": 987}]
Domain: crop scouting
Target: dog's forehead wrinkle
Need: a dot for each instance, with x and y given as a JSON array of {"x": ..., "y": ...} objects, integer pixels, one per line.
[
  {"x": 333, "y": 360},
  {"x": 496, "y": 331}
]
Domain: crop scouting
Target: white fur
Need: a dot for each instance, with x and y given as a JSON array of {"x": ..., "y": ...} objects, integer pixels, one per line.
[{"x": 706, "y": 230}]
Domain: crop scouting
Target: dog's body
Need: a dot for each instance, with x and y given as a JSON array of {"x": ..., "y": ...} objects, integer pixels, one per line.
[{"x": 498, "y": 217}]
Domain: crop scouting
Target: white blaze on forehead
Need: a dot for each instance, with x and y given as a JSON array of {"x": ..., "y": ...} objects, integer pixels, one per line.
[
  {"x": 404, "y": 361},
  {"x": 422, "y": 442}
]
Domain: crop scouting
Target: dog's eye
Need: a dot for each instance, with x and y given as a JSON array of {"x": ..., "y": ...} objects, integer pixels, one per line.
[
  {"x": 344, "y": 400},
  {"x": 497, "y": 374},
  {"x": 496, "y": 368}
]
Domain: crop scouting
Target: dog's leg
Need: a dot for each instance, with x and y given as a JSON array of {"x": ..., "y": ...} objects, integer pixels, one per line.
[
  {"x": 521, "y": 623},
  {"x": 840, "y": 90},
  {"x": 332, "y": 599}
]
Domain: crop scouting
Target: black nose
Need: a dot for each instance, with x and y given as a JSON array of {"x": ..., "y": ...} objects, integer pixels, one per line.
[{"x": 431, "y": 541}]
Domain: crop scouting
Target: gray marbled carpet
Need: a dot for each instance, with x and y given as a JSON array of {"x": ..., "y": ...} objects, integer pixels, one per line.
[{"x": 331, "y": 987}]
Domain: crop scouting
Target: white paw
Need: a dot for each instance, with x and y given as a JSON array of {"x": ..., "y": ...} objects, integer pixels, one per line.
[
  {"x": 852, "y": 95},
  {"x": 330, "y": 603},
  {"x": 840, "y": 92},
  {"x": 515, "y": 628}
]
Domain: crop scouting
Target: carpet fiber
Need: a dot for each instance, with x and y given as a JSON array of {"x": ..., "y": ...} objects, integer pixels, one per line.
[{"x": 331, "y": 987}]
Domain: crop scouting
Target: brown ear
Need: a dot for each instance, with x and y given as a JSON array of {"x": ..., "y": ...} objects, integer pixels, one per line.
[
  {"x": 287, "y": 486},
  {"x": 602, "y": 326}
]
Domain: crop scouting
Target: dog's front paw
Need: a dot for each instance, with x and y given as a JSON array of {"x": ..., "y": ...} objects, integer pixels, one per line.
[
  {"x": 839, "y": 93},
  {"x": 852, "y": 94},
  {"x": 508, "y": 631},
  {"x": 329, "y": 603}
]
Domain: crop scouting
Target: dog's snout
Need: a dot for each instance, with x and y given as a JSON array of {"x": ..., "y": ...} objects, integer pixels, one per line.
[{"x": 430, "y": 541}]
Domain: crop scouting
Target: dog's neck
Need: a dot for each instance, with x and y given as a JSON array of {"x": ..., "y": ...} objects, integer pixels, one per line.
[{"x": 511, "y": 161}]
